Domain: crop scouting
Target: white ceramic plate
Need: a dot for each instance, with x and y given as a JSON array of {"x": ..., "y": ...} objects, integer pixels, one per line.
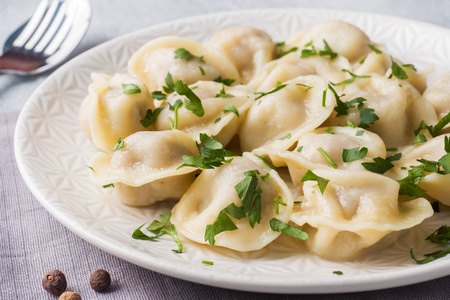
[{"x": 52, "y": 154}]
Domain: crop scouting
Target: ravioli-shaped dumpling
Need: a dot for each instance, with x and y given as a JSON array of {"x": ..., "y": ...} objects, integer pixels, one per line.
[
  {"x": 344, "y": 38},
  {"x": 332, "y": 140},
  {"x": 108, "y": 114},
  {"x": 219, "y": 119},
  {"x": 353, "y": 212},
  {"x": 398, "y": 105},
  {"x": 436, "y": 185},
  {"x": 214, "y": 189},
  {"x": 277, "y": 120},
  {"x": 438, "y": 94},
  {"x": 154, "y": 60},
  {"x": 248, "y": 48},
  {"x": 144, "y": 170},
  {"x": 292, "y": 65}
]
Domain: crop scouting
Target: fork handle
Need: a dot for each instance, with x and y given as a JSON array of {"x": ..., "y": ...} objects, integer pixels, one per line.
[{"x": 15, "y": 61}]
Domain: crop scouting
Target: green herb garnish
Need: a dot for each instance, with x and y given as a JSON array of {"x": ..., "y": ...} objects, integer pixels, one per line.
[
  {"x": 283, "y": 52},
  {"x": 119, "y": 145},
  {"x": 184, "y": 54},
  {"x": 277, "y": 225},
  {"x": 276, "y": 89},
  {"x": 265, "y": 161},
  {"x": 286, "y": 136},
  {"x": 227, "y": 82},
  {"x": 151, "y": 116},
  {"x": 108, "y": 185},
  {"x": 350, "y": 80},
  {"x": 223, "y": 94},
  {"x": 158, "y": 95},
  {"x": 327, "y": 157},
  {"x": 379, "y": 165},
  {"x": 353, "y": 154},
  {"x": 207, "y": 262},
  {"x": 175, "y": 107},
  {"x": 377, "y": 51},
  {"x": 130, "y": 88},
  {"x": 230, "y": 108},
  {"x": 322, "y": 182},
  {"x": 397, "y": 71},
  {"x": 193, "y": 102}
]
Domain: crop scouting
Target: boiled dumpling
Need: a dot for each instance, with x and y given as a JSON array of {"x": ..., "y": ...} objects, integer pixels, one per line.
[
  {"x": 223, "y": 125},
  {"x": 278, "y": 119},
  {"x": 292, "y": 65},
  {"x": 214, "y": 189},
  {"x": 153, "y": 61},
  {"x": 108, "y": 114},
  {"x": 344, "y": 38},
  {"x": 353, "y": 212},
  {"x": 248, "y": 48},
  {"x": 438, "y": 94},
  {"x": 144, "y": 170},
  {"x": 398, "y": 105}
]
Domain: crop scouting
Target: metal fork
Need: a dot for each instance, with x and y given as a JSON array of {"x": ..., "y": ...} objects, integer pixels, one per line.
[{"x": 47, "y": 38}]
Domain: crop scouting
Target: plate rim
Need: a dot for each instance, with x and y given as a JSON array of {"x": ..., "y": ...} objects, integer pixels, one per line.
[{"x": 340, "y": 285}]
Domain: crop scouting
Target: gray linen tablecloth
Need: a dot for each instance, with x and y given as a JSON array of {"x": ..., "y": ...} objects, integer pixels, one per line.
[{"x": 32, "y": 242}]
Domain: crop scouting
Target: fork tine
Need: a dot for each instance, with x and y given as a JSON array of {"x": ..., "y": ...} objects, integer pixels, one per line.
[
  {"x": 43, "y": 26},
  {"x": 54, "y": 27},
  {"x": 63, "y": 31},
  {"x": 32, "y": 24}
]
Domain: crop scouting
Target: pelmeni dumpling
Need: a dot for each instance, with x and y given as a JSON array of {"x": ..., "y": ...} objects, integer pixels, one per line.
[
  {"x": 248, "y": 48},
  {"x": 214, "y": 189},
  {"x": 398, "y": 105},
  {"x": 223, "y": 125},
  {"x": 153, "y": 61},
  {"x": 438, "y": 94},
  {"x": 345, "y": 39},
  {"x": 353, "y": 212},
  {"x": 332, "y": 140},
  {"x": 292, "y": 65},
  {"x": 436, "y": 185},
  {"x": 145, "y": 171},
  {"x": 277, "y": 120},
  {"x": 108, "y": 114}
]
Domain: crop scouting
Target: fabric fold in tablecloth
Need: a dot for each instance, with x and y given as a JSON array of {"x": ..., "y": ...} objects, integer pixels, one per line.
[{"x": 32, "y": 243}]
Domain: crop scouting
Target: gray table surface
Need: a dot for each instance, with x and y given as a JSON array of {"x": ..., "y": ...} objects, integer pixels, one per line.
[{"x": 26, "y": 253}]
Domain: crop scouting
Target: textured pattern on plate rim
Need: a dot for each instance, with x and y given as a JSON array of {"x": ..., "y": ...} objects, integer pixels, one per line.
[{"x": 52, "y": 154}]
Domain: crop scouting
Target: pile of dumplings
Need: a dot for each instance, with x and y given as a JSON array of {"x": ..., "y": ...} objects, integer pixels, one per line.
[{"x": 284, "y": 111}]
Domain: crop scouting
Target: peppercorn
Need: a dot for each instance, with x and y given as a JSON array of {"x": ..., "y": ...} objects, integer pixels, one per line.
[
  {"x": 54, "y": 282},
  {"x": 69, "y": 295},
  {"x": 100, "y": 280}
]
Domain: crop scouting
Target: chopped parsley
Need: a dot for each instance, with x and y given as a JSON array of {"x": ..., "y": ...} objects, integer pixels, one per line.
[
  {"x": 201, "y": 70},
  {"x": 283, "y": 51},
  {"x": 158, "y": 95},
  {"x": 250, "y": 195},
  {"x": 299, "y": 149},
  {"x": 277, "y": 225},
  {"x": 286, "y": 136},
  {"x": 350, "y": 80},
  {"x": 327, "y": 157},
  {"x": 230, "y": 108},
  {"x": 338, "y": 273},
  {"x": 397, "y": 71},
  {"x": 119, "y": 145},
  {"x": 440, "y": 236},
  {"x": 169, "y": 88},
  {"x": 130, "y": 88},
  {"x": 265, "y": 161},
  {"x": 322, "y": 182},
  {"x": 433, "y": 130},
  {"x": 207, "y": 262},
  {"x": 159, "y": 228},
  {"x": 184, "y": 54},
  {"x": 223, "y": 94},
  {"x": 305, "y": 86},
  {"x": 175, "y": 107},
  {"x": 108, "y": 185},
  {"x": 353, "y": 154},
  {"x": 92, "y": 169},
  {"x": 372, "y": 47},
  {"x": 359, "y": 132},
  {"x": 193, "y": 102},
  {"x": 227, "y": 82},
  {"x": 310, "y": 50},
  {"x": 212, "y": 154},
  {"x": 278, "y": 201},
  {"x": 379, "y": 165},
  {"x": 151, "y": 116},
  {"x": 366, "y": 115},
  {"x": 217, "y": 120},
  {"x": 327, "y": 51},
  {"x": 276, "y": 89}
]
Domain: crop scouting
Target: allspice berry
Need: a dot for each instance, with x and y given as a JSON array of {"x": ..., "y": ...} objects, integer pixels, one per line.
[
  {"x": 100, "y": 280},
  {"x": 69, "y": 295},
  {"x": 54, "y": 282}
]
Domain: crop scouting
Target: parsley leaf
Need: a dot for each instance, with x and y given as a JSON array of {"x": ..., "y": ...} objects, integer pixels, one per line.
[
  {"x": 227, "y": 82},
  {"x": 283, "y": 52},
  {"x": 183, "y": 53},
  {"x": 130, "y": 88},
  {"x": 308, "y": 52},
  {"x": 151, "y": 116},
  {"x": 304, "y": 85},
  {"x": 433, "y": 130},
  {"x": 327, "y": 157},
  {"x": 108, "y": 185},
  {"x": 230, "y": 108},
  {"x": 353, "y": 154},
  {"x": 266, "y": 161},
  {"x": 440, "y": 236},
  {"x": 201, "y": 70},
  {"x": 119, "y": 145},
  {"x": 223, "y": 94},
  {"x": 377, "y": 51},
  {"x": 193, "y": 102},
  {"x": 394, "y": 157},
  {"x": 379, "y": 165},
  {"x": 158, "y": 95},
  {"x": 327, "y": 51},
  {"x": 169, "y": 88},
  {"x": 207, "y": 262},
  {"x": 223, "y": 222},
  {"x": 286, "y": 136},
  {"x": 277, "y": 225},
  {"x": 366, "y": 116},
  {"x": 397, "y": 71},
  {"x": 276, "y": 89},
  {"x": 322, "y": 182},
  {"x": 250, "y": 196},
  {"x": 175, "y": 107},
  {"x": 278, "y": 201},
  {"x": 299, "y": 149},
  {"x": 338, "y": 273},
  {"x": 350, "y": 80},
  {"x": 212, "y": 154}
]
